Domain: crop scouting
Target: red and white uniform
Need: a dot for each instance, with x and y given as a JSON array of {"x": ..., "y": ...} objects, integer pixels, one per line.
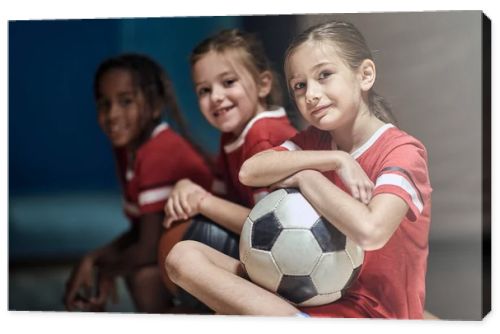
[
  {"x": 159, "y": 163},
  {"x": 392, "y": 279},
  {"x": 266, "y": 130}
]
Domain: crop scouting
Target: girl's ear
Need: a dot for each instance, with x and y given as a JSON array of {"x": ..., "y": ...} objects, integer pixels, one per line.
[
  {"x": 265, "y": 84},
  {"x": 367, "y": 74}
]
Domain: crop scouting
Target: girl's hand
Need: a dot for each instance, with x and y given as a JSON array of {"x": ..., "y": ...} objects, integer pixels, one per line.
[
  {"x": 355, "y": 178},
  {"x": 349, "y": 171},
  {"x": 183, "y": 202},
  {"x": 81, "y": 279},
  {"x": 106, "y": 288}
]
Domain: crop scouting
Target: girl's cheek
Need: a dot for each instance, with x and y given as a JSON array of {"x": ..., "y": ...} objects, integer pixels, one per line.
[
  {"x": 205, "y": 112},
  {"x": 101, "y": 120}
]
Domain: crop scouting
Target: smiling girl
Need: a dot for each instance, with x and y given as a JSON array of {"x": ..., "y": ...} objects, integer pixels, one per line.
[
  {"x": 132, "y": 92},
  {"x": 238, "y": 94}
]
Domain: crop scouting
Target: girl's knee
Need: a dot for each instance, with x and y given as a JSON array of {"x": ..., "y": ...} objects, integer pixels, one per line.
[{"x": 183, "y": 255}]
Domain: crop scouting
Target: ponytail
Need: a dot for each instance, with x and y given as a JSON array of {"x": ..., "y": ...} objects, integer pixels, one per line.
[{"x": 381, "y": 108}]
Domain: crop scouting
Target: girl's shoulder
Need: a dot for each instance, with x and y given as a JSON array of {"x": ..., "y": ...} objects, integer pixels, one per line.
[
  {"x": 165, "y": 140},
  {"x": 312, "y": 138},
  {"x": 272, "y": 126},
  {"x": 397, "y": 144},
  {"x": 394, "y": 137}
]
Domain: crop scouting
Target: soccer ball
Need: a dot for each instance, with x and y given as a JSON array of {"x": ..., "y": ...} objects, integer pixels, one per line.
[{"x": 287, "y": 248}]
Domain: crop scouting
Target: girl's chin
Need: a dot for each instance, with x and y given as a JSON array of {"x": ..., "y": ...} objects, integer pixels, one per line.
[
  {"x": 119, "y": 142},
  {"x": 324, "y": 123},
  {"x": 228, "y": 128}
]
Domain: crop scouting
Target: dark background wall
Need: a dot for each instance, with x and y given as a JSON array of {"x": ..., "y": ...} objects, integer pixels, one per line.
[
  {"x": 54, "y": 141},
  {"x": 52, "y": 124}
]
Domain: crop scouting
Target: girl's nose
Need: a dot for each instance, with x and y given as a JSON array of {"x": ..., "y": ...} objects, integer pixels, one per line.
[
  {"x": 114, "y": 110},
  {"x": 312, "y": 93},
  {"x": 217, "y": 94}
]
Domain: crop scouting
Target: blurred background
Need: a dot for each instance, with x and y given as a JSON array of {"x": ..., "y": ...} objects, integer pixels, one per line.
[{"x": 64, "y": 198}]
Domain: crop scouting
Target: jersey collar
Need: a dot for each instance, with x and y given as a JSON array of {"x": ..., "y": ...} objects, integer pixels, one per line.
[
  {"x": 363, "y": 148},
  {"x": 231, "y": 147},
  {"x": 159, "y": 128},
  {"x": 129, "y": 175}
]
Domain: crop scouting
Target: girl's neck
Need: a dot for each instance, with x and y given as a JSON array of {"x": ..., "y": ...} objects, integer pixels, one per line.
[{"x": 353, "y": 135}]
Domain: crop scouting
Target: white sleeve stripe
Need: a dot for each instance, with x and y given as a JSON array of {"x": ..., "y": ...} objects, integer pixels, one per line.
[
  {"x": 259, "y": 195},
  {"x": 154, "y": 195},
  {"x": 401, "y": 182},
  {"x": 291, "y": 146}
]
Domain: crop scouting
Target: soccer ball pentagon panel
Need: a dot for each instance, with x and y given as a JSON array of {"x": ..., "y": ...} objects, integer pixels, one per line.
[{"x": 286, "y": 247}]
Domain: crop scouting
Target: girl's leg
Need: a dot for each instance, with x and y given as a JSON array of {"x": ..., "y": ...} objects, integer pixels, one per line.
[
  {"x": 150, "y": 288},
  {"x": 167, "y": 241},
  {"x": 215, "y": 279},
  {"x": 147, "y": 290}
]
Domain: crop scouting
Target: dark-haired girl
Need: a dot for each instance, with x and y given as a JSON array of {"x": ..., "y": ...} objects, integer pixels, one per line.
[{"x": 132, "y": 92}]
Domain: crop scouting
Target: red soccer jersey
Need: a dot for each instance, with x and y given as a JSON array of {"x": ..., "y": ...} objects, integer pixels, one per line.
[
  {"x": 391, "y": 283},
  {"x": 266, "y": 130},
  {"x": 159, "y": 163}
]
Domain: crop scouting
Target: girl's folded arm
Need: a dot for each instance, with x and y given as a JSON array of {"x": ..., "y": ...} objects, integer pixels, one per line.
[{"x": 270, "y": 166}]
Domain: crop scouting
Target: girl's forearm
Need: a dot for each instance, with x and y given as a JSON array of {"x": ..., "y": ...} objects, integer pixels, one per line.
[
  {"x": 270, "y": 166},
  {"x": 227, "y": 214},
  {"x": 115, "y": 246},
  {"x": 345, "y": 213},
  {"x": 370, "y": 226},
  {"x": 127, "y": 260}
]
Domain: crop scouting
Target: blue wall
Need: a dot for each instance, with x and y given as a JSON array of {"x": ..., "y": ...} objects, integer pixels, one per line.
[{"x": 55, "y": 144}]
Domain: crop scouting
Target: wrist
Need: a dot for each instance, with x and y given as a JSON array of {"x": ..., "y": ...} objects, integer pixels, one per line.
[
  {"x": 304, "y": 175},
  {"x": 338, "y": 159},
  {"x": 203, "y": 200}
]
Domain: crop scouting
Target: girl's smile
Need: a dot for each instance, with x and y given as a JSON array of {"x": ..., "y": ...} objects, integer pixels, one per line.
[
  {"x": 223, "y": 111},
  {"x": 321, "y": 110}
]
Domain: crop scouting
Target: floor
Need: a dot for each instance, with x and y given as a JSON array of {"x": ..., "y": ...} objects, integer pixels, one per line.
[
  {"x": 453, "y": 285},
  {"x": 41, "y": 288}
]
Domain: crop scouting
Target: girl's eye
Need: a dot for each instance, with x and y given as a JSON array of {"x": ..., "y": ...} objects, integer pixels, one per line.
[
  {"x": 324, "y": 74},
  {"x": 298, "y": 86},
  {"x": 202, "y": 91},
  {"x": 102, "y": 105},
  {"x": 125, "y": 102},
  {"x": 229, "y": 82}
]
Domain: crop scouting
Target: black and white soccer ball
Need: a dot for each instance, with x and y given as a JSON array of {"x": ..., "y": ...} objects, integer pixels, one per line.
[{"x": 287, "y": 248}]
